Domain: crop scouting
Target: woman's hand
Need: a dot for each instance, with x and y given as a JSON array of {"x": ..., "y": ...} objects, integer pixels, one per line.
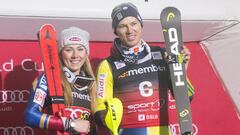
[{"x": 81, "y": 126}]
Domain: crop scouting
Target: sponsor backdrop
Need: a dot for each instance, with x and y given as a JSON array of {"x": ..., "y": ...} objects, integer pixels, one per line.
[{"x": 20, "y": 62}]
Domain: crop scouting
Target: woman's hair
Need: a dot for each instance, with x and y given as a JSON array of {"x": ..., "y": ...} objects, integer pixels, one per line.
[
  {"x": 67, "y": 87},
  {"x": 87, "y": 68}
]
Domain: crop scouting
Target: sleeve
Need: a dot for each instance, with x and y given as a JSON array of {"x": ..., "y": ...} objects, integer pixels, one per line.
[
  {"x": 104, "y": 84},
  {"x": 104, "y": 91},
  {"x": 190, "y": 89},
  {"x": 34, "y": 114}
]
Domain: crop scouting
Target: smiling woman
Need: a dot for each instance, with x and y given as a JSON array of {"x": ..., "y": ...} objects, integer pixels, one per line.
[{"x": 78, "y": 85}]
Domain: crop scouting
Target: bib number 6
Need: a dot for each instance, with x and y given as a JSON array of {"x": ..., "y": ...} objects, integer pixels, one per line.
[{"x": 146, "y": 89}]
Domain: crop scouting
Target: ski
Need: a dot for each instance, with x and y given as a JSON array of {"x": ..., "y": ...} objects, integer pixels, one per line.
[
  {"x": 49, "y": 52},
  {"x": 171, "y": 26}
]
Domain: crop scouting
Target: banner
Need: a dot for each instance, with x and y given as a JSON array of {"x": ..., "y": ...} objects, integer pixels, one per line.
[{"x": 20, "y": 63}]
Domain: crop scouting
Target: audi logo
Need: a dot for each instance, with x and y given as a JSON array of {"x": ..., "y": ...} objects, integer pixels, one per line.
[
  {"x": 16, "y": 131},
  {"x": 175, "y": 129},
  {"x": 14, "y": 96}
]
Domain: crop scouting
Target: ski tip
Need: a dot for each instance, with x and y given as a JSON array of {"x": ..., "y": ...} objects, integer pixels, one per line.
[
  {"x": 169, "y": 13},
  {"x": 47, "y": 26},
  {"x": 47, "y": 33},
  {"x": 168, "y": 10},
  {"x": 173, "y": 9}
]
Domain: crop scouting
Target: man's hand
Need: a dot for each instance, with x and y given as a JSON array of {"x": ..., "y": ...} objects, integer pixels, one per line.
[{"x": 186, "y": 55}]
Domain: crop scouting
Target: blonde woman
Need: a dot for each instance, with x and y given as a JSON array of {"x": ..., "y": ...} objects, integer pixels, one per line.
[{"x": 79, "y": 88}]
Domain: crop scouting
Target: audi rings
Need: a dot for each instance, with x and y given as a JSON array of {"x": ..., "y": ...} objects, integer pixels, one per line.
[
  {"x": 14, "y": 96},
  {"x": 74, "y": 113},
  {"x": 16, "y": 131},
  {"x": 175, "y": 129}
]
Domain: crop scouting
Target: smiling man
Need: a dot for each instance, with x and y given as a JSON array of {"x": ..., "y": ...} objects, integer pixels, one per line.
[{"x": 138, "y": 75}]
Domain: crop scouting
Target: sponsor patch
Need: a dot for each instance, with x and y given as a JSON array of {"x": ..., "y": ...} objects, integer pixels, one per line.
[
  {"x": 43, "y": 82},
  {"x": 74, "y": 39},
  {"x": 39, "y": 97},
  {"x": 119, "y": 64},
  {"x": 101, "y": 86},
  {"x": 119, "y": 16},
  {"x": 141, "y": 117},
  {"x": 157, "y": 55}
]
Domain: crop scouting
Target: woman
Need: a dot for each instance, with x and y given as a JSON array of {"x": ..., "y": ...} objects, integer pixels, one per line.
[{"x": 78, "y": 84}]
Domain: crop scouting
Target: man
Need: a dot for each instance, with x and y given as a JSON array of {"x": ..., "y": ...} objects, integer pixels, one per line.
[{"x": 138, "y": 75}]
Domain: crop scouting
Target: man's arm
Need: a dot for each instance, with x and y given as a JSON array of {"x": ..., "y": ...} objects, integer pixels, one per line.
[{"x": 104, "y": 91}]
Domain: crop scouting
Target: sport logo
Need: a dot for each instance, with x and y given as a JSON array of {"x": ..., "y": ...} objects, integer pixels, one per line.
[
  {"x": 16, "y": 131},
  {"x": 14, "y": 96},
  {"x": 149, "y": 106}
]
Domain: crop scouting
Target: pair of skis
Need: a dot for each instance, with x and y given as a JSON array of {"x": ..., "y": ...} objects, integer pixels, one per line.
[{"x": 171, "y": 25}]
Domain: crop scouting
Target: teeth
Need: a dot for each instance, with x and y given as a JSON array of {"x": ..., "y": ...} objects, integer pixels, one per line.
[
  {"x": 131, "y": 36},
  {"x": 75, "y": 61}
]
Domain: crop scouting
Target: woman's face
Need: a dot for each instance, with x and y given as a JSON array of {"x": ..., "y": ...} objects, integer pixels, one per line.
[
  {"x": 73, "y": 57},
  {"x": 129, "y": 30}
]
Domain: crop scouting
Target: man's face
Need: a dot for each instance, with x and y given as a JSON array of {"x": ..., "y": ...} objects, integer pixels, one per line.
[{"x": 129, "y": 30}]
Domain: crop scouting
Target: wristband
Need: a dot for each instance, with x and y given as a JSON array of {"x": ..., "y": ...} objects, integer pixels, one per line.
[{"x": 70, "y": 125}]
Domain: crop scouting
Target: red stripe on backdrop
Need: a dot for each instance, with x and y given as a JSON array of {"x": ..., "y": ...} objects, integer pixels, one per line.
[
  {"x": 212, "y": 110},
  {"x": 99, "y": 51}
]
